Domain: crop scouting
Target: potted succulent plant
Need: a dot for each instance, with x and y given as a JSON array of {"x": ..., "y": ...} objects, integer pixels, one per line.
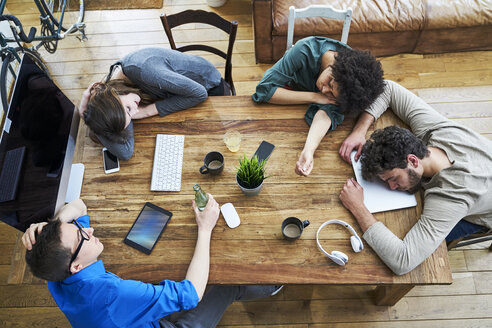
[{"x": 250, "y": 175}]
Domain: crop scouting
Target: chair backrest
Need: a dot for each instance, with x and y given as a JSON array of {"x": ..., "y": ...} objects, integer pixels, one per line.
[
  {"x": 204, "y": 17},
  {"x": 318, "y": 11}
]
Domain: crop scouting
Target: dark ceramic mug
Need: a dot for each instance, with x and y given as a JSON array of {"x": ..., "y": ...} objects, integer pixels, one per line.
[
  {"x": 214, "y": 163},
  {"x": 292, "y": 228}
]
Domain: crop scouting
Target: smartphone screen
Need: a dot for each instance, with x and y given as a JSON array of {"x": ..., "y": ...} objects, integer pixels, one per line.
[
  {"x": 110, "y": 162},
  {"x": 148, "y": 227},
  {"x": 264, "y": 150}
]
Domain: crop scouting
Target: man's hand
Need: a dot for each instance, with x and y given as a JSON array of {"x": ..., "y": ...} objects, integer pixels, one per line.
[
  {"x": 354, "y": 141},
  {"x": 305, "y": 164},
  {"x": 352, "y": 196},
  {"x": 200, "y": 263},
  {"x": 29, "y": 237},
  {"x": 207, "y": 219}
]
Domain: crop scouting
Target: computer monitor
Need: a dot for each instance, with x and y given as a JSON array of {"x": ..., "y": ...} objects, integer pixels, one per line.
[{"x": 44, "y": 121}]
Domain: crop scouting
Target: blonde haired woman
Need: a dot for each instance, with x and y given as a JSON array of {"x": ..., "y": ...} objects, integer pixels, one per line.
[{"x": 145, "y": 83}]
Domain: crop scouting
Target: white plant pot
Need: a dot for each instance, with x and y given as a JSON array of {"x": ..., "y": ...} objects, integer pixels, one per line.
[
  {"x": 216, "y": 3},
  {"x": 250, "y": 192}
]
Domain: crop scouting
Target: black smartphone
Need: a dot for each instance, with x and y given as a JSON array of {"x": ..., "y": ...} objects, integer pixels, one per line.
[
  {"x": 147, "y": 228},
  {"x": 110, "y": 161},
  {"x": 264, "y": 150}
]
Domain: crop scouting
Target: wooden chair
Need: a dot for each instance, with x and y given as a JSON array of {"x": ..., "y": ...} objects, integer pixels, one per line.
[
  {"x": 204, "y": 17},
  {"x": 471, "y": 239},
  {"x": 321, "y": 11}
]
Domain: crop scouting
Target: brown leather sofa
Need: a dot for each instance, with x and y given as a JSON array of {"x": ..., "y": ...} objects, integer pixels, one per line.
[{"x": 384, "y": 27}]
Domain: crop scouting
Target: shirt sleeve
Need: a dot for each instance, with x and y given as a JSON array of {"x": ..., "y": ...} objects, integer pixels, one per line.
[
  {"x": 123, "y": 151},
  {"x": 331, "y": 110},
  {"x": 438, "y": 218},
  {"x": 134, "y": 303},
  {"x": 84, "y": 221},
  {"x": 412, "y": 110},
  {"x": 185, "y": 92},
  {"x": 280, "y": 74}
]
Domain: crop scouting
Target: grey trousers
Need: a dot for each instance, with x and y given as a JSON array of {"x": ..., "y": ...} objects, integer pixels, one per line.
[{"x": 214, "y": 303}]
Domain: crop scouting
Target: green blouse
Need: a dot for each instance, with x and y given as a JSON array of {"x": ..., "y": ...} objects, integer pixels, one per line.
[{"x": 298, "y": 70}]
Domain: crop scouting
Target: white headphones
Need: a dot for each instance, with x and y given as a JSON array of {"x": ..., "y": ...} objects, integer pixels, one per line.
[{"x": 336, "y": 256}]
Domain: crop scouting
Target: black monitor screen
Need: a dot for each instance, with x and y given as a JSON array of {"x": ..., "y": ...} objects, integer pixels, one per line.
[{"x": 39, "y": 118}]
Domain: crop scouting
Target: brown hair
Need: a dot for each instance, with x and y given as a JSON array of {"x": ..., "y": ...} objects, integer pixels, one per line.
[{"x": 105, "y": 114}]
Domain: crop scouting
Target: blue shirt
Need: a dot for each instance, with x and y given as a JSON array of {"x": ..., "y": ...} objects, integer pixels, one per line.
[
  {"x": 94, "y": 297},
  {"x": 298, "y": 70}
]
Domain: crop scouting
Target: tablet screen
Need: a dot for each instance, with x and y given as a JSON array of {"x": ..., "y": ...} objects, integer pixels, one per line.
[{"x": 149, "y": 225}]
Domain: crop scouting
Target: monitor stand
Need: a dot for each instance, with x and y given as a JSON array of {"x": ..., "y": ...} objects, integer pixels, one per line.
[{"x": 75, "y": 182}]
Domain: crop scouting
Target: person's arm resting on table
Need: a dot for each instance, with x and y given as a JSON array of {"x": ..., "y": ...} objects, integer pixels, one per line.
[
  {"x": 186, "y": 92},
  {"x": 271, "y": 87},
  {"x": 407, "y": 106},
  {"x": 402, "y": 256},
  {"x": 320, "y": 126},
  {"x": 283, "y": 96}
]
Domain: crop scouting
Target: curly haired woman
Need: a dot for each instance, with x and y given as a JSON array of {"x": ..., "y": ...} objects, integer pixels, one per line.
[{"x": 330, "y": 76}]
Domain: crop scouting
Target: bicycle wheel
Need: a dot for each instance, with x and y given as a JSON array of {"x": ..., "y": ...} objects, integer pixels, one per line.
[
  {"x": 74, "y": 12},
  {"x": 8, "y": 73}
]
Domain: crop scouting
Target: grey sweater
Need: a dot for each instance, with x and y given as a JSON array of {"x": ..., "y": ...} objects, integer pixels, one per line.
[
  {"x": 177, "y": 79},
  {"x": 462, "y": 191}
]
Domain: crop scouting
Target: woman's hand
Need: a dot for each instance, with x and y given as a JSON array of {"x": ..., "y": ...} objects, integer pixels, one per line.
[
  {"x": 145, "y": 111},
  {"x": 323, "y": 99},
  {"x": 85, "y": 100},
  {"x": 305, "y": 164}
]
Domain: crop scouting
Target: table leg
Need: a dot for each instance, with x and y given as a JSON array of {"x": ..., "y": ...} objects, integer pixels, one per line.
[{"x": 390, "y": 295}]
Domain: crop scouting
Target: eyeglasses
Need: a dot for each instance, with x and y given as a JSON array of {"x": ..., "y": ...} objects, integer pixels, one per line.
[{"x": 83, "y": 236}]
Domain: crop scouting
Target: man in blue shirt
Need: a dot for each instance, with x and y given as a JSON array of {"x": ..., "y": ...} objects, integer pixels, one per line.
[{"x": 65, "y": 252}]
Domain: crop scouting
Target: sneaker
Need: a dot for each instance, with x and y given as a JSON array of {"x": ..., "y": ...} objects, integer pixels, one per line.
[{"x": 277, "y": 290}]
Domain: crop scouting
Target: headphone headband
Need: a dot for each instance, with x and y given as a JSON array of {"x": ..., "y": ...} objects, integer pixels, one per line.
[{"x": 335, "y": 256}]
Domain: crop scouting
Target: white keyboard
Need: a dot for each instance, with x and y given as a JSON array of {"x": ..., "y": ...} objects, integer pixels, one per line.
[{"x": 168, "y": 163}]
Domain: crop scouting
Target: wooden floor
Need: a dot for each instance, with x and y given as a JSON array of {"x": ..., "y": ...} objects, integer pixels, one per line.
[{"x": 459, "y": 85}]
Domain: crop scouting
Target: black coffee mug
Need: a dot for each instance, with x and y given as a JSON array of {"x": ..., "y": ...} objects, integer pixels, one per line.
[
  {"x": 214, "y": 163},
  {"x": 292, "y": 227}
]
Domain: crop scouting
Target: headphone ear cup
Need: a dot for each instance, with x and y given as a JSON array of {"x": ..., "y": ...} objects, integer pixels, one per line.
[
  {"x": 340, "y": 256},
  {"x": 356, "y": 244}
]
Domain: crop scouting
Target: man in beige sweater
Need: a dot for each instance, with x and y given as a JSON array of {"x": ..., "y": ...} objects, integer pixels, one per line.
[{"x": 452, "y": 163}]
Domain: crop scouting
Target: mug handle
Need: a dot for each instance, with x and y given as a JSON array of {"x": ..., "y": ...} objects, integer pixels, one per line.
[
  {"x": 305, "y": 223},
  {"x": 204, "y": 169}
]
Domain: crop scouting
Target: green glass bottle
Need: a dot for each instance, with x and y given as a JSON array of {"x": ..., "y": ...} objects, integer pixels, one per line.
[{"x": 201, "y": 198}]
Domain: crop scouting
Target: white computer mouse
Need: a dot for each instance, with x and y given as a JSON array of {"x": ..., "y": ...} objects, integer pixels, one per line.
[{"x": 230, "y": 215}]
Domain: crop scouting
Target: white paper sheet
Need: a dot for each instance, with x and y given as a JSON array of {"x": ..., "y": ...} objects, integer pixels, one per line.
[{"x": 378, "y": 197}]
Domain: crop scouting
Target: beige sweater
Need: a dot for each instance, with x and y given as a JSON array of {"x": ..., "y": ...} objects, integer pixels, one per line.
[{"x": 463, "y": 190}]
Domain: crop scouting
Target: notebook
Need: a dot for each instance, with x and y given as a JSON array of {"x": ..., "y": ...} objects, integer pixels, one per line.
[{"x": 378, "y": 197}]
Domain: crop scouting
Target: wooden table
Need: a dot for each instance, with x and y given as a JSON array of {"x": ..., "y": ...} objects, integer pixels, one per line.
[{"x": 255, "y": 252}]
